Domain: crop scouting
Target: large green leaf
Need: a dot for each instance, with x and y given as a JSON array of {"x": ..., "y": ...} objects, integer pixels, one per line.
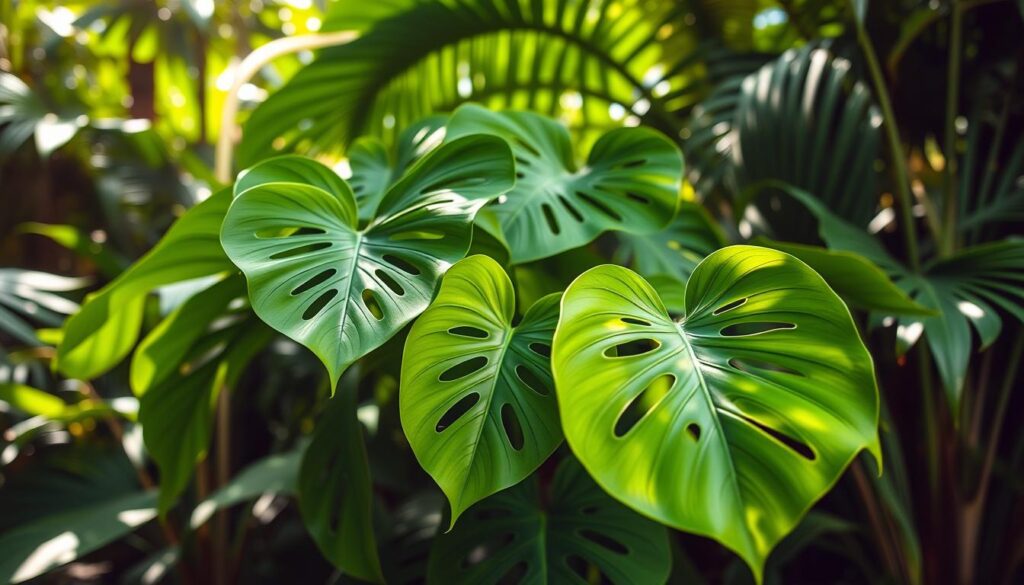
[
  {"x": 573, "y": 534},
  {"x": 181, "y": 368},
  {"x": 593, "y": 62},
  {"x": 807, "y": 120},
  {"x": 730, "y": 422},
  {"x": 477, "y": 400},
  {"x": 274, "y": 474},
  {"x": 343, "y": 291},
  {"x": 106, "y": 328},
  {"x": 336, "y": 493},
  {"x": 68, "y": 502},
  {"x": 629, "y": 182}
]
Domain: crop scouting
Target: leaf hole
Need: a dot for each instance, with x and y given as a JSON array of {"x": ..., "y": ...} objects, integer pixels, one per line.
[
  {"x": 372, "y": 305},
  {"x": 532, "y": 380},
  {"x": 633, "y": 164},
  {"x": 458, "y": 409},
  {"x": 799, "y": 447},
  {"x": 316, "y": 280},
  {"x": 590, "y": 510},
  {"x": 604, "y": 540},
  {"x": 513, "y": 430},
  {"x": 288, "y": 231},
  {"x": 751, "y": 366},
  {"x": 318, "y": 305},
  {"x": 635, "y": 321},
  {"x": 638, "y": 198},
  {"x": 467, "y": 331},
  {"x": 541, "y": 349},
  {"x": 463, "y": 369},
  {"x": 599, "y": 206},
  {"x": 632, "y": 348},
  {"x": 755, "y": 328},
  {"x": 693, "y": 429},
  {"x": 571, "y": 209},
  {"x": 580, "y": 566},
  {"x": 728, "y": 306},
  {"x": 643, "y": 403},
  {"x": 526, "y": 146},
  {"x": 389, "y": 282},
  {"x": 300, "y": 250},
  {"x": 549, "y": 216},
  {"x": 401, "y": 264}
]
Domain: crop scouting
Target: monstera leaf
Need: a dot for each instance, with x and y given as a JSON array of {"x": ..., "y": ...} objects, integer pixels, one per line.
[
  {"x": 374, "y": 169},
  {"x": 577, "y": 534},
  {"x": 477, "y": 400},
  {"x": 343, "y": 291},
  {"x": 730, "y": 422},
  {"x": 630, "y": 182},
  {"x": 336, "y": 493}
]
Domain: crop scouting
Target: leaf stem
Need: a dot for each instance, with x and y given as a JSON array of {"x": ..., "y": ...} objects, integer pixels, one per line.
[
  {"x": 949, "y": 238},
  {"x": 971, "y": 513},
  {"x": 899, "y": 159}
]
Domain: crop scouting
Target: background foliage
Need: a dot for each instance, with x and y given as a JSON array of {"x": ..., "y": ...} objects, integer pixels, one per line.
[{"x": 163, "y": 420}]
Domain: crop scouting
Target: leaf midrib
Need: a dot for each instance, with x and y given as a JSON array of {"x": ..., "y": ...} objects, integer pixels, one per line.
[{"x": 681, "y": 329}]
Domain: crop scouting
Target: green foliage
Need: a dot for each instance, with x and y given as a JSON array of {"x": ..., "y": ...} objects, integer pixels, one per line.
[
  {"x": 574, "y": 532},
  {"x": 763, "y": 391},
  {"x": 630, "y": 182},
  {"x": 314, "y": 274},
  {"x": 466, "y": 233},
  {"x": 477, "y": 398}
]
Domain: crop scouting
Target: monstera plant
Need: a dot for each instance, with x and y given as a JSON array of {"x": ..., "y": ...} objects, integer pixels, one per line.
[{"x": 515, "y": 292}]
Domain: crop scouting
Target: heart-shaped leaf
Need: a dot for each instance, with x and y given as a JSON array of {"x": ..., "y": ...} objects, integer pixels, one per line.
[
  {"x": 577, "y": 534},
  {"x": 630, "y": 182},
  {"x": 729, "y": 423},
  {"x": 341, "y": 291},
  {"x": 477, "y": 400}
]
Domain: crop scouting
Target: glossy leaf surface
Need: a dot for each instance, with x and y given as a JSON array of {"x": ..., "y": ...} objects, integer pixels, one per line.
[
  {"x": 629, "y": 182},
  {"x": 341, "y": 291},
  {"x": 477, "y": 400},
  {"x": 730, "y": 422}
]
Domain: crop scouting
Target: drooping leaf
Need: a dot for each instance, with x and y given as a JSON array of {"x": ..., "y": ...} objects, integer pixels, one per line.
[
  {"x": 108, "y": 262},
  {"x": 32, "y": 401},
  {"x": 577, "y": 534},
  {"x": 730, "y": 422},
  {"x": 181, "y": 368},
  {"x": 66, "y": 506},
  {"x": 335, "y": 491},
  {"x": 275, "y": 474},
  {"x": 341, "y": 291},
  {"x": 630, "y": 182},
  {"x": 477, "y": 400},
  {"x": 968, "y": 290},
  {"x": 593, "y": 62},
  {"x": 106, "y": 328},
  {"x": 28, "y": 296}
]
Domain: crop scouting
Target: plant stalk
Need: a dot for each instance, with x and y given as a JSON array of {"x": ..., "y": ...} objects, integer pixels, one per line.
[
  {"x": 973, "y": 510},
  {"x": 899, "y": 159}
]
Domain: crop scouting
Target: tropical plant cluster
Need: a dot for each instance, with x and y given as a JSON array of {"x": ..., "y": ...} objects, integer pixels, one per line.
[{"x": 512, "y": 291}]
